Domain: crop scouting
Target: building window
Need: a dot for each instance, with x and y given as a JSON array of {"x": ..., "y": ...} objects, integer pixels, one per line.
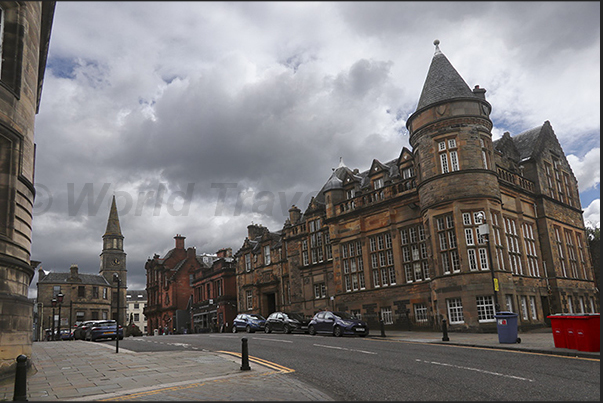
[
  {"x": 446, "y": 241},
  {"x": 448, "y": 155},
  {"x": 267, "y": 254},
  {"x": 581, "y": 255},
  {"x": 549, "y": 179},
  {"x": 524, "y": 307},
  {"x": 408, "y": 173},
  {"x": 316, "y": 242},
  {"x": 386, "y": 316},
  {"x": 571, "y": 254},
  {"x": 414, "y": 253},
  {"x": 478, "y": 258},
  {"x": 485, "y": 308},
  {"x": 94, "y": 315},
  {"x": 248, "y": 262},
  {"x": 136, "y": 317},
  {"x": 509, "y": 299},
  {"x": 582, "y": 307},
  {"x": 320, "y": 290},
  {"x": 570, "y": 305},
  {"x": 530, "y": 247},
  {"x": 382, "y": 262},
  {"x": 305, "y": 259},
  {"x": 249, "y": 299},
  {"x": 79, "y": 317},
  {"x": 592, "y": 305},
  {"x": 455, "y": 310},
  {"x": 569, "y": 191},
  {"x": 514, "y": 252},
  {"x": 136, "y": 306},
  {"x": 105, "y": 296},
  {"x": 378, "y": 183},
  {"x": 533, "y": 308},
  {"x": 482, "y": 143},
  {"x": 557, "y": 171},
  {"x": 560, "y": 252},
  {"x": 353, "y": 266},
  {"x": 328, "y": 246},
  {"x": 94, "y": 292},
  {"x": 420, "y": 313},
  {"x": 81, "y": 291}
]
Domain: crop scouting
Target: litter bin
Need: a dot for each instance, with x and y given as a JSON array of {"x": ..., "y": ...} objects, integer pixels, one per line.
[
  {"x": 559, "y": 323},
  {"x": 506, "y": 325},
  {"x": 587, "y": 330}
]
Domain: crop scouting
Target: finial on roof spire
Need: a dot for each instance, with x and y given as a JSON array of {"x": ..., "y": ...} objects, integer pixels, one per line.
[
  {"x": 437, "y": 47},
  {"x": 341, "y": 164}
]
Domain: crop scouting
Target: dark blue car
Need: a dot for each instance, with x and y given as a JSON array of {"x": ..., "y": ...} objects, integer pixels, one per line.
[
  {"x": 105, "y": 329},
  {"x": 337, "y": 324},
  {"x": 249, "y": 322}
]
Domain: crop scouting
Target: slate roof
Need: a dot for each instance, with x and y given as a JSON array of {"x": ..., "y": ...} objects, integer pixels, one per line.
[
  {"x": 113, "y": 227},
  {"x": 443, "y": 82},
  {"x": 58, "y": 278},
  {"x": 136, "y": 295},
  {"x": 526, "y": 143}
]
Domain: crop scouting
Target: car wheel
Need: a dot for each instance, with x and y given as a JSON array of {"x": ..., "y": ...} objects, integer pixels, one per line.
[
  {"x": 248, "y": 329},
  {"x": 312, "y": 330},
  {"x": 287, "y": 329},
  {"x": 267, "y": 329},
  {"x": 234, "y": 329},
  {"x": 337, "y": 332}
]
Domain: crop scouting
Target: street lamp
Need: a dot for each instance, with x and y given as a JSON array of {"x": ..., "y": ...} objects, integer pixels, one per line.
[
  {"x": 484, "y": 229},
  {"x": 117, "y": 280},
  {"x": 60, "y": 301},
  {"x": 54, "y": 304}
]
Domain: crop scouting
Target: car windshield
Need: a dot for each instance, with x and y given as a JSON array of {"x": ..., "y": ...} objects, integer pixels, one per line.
[
  {"x": 256, "y": 317},
  {"x": 343, "y": 315},
  {"x": 296, "y": 316}
]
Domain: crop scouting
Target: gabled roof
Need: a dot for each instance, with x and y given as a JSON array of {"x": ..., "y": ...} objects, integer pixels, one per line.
[
  {"x": 59, "y": 278},
  {"x": 528, "y": 144},
  {"x": 136, "y": 295},
  {"x": 443, "y": 82}
]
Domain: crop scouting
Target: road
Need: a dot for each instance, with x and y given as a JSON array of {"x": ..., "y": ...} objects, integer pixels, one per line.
[{"x": 365, "y": 369}]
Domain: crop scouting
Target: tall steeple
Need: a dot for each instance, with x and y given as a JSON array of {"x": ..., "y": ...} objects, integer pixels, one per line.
[
  {"x": 113, "y": 228},
  {"x": 443, "y": 82}
]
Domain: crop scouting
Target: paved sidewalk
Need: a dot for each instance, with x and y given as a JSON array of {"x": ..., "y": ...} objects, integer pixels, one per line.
[{"x": 84, "y": 371}]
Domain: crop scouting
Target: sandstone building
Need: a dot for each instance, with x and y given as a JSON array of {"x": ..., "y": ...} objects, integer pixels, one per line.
[
  {"x": 25, "y": 36},
  {"x": 458, "y": 227},
  {"x": 87, "y": 296},
  {"x": 136, "y": 301}
]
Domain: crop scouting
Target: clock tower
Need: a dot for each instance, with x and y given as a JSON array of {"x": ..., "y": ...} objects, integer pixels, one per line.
[{"x": 113, "y": 259}]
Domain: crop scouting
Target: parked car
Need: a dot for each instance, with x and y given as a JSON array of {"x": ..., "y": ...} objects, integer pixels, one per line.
[
  {"x": 80, "y": 330},
  {"x": 104, "y": 329},
  {"x": 66, "y": 334},
  {"x": 250, "y": 322},
  {"x": 286, "y": 322},
  {"x": 337, "y": 324}
]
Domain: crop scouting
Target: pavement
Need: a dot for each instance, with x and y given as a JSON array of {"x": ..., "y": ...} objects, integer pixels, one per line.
[{"x": 85, "y": 371}]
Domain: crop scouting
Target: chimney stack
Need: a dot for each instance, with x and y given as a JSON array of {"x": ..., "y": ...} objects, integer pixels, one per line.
[
  {"x": 179, "y": 241},
  {"x": 294, "y": 214},
  {"x": 73, "y": 269}
]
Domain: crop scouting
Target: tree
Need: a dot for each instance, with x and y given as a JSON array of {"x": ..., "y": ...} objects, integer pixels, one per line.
[{"x": 594, "y": 246}]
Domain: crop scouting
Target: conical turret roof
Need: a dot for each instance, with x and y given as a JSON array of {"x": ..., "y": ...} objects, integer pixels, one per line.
[
  {"x": 113, "y": 227},
  {"x": 443, "y": 82}
]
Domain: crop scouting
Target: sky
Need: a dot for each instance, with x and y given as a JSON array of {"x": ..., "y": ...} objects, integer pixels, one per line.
[{"x": 205, "y": 117}]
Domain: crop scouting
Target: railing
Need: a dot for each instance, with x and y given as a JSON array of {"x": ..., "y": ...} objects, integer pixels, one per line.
[
  {"x": 515, "y": 179},
  {"x": 375, "y": 196}
]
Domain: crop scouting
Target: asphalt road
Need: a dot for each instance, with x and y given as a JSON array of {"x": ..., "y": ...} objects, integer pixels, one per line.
[{"x": 353, "y": 368}]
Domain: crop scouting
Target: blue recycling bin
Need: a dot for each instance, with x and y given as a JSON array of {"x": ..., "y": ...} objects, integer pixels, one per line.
[{"x": 506, "y": 326}]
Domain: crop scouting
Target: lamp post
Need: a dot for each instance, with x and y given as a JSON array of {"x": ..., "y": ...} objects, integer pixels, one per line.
[
  {"x": 117, "y": 280},
  {"x": 54, "y": 304},
  {"x": 484, "y": 229},
  {"x": 60, "y": 297}
]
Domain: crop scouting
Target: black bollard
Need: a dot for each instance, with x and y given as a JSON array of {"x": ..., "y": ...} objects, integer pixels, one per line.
[
  {"x": 21, "y": 379},
  {"x": 245, "y": 356},
  {"x": 382, "y": 328},
  {"x": 445, "y": 330}
]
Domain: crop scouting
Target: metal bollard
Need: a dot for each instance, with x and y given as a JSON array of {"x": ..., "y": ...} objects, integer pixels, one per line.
[
  {"x": 245, "y": 356},
  {"x": 445, "y": 330},
  {"x": 382, "y": 328},
  {"x": 20, "y": 393}
]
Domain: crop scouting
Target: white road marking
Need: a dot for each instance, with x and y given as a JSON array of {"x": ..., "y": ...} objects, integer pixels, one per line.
[
  {"x": 346, "y": 349},
  {"x": 477, "y": 370},
  {"x": 263, "y": 338}
]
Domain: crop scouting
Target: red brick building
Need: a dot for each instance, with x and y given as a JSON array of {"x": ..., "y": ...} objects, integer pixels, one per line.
[
  {"x": 170, "y": 288},
  {"x": 214, "y": 302},
  {"x": 459, "y": 227}
]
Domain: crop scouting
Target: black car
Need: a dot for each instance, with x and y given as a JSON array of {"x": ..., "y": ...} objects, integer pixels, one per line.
[
  {"x": 337, "y": 324},
  {"x": 286, "y": 322},
  {"x": 249, "y": 322},
  {"x": 80, "y": 330}
]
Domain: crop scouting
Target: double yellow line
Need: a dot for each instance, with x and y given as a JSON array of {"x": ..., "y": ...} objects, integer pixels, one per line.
[{"x": 269, "y": 364}]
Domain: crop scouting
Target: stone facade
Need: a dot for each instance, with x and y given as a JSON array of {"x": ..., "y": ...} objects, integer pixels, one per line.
[
  {"x": 136, "y": 301},
  {"x": 458, "y": 228},
  {"x": 25, "y": 39}
]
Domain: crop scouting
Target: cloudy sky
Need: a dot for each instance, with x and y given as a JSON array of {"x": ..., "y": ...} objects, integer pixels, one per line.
[{"x": 204, "y": 117}]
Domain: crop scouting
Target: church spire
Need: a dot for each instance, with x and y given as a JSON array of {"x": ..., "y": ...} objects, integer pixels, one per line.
[
  {"x": 443, "y": 82},
  {"x": 113, "y": 227}
]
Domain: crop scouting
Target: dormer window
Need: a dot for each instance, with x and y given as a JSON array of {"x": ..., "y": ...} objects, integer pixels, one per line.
[
  {"x": 408, "y": 173},
  {"x": 378, "y": 183},
  {"x": 351, "y": 194}
]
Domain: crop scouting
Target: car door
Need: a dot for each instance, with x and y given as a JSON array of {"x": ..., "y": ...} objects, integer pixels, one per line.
[
  {"x": 329, "y": 322},
  {"x": 279, "y": 322}
]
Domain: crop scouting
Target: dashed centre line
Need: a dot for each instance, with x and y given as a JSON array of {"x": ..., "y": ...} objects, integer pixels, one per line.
[
  {"x": 477, "y": 370},
  {"x": 345, "y": 349}
]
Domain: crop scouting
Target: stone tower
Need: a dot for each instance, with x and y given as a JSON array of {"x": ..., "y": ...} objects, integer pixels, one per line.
[
  {"x": 450, "y": 133},
  {"x": 113, "y": 260}
]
